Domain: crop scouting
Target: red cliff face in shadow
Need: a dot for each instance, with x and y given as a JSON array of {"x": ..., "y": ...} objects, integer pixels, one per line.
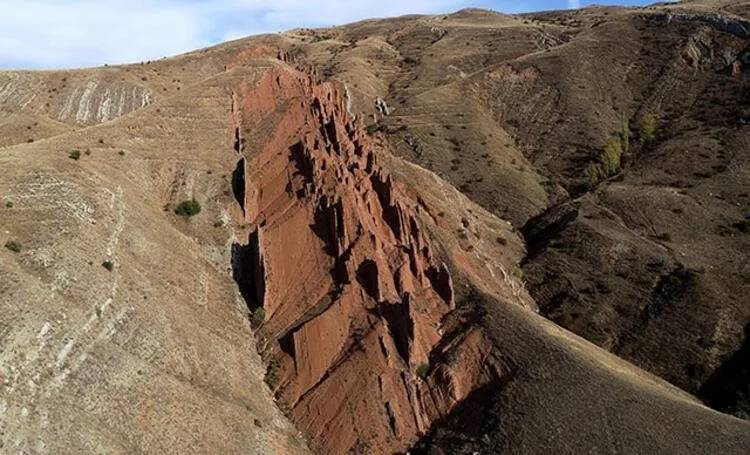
[{"x": 357, "y": 334}]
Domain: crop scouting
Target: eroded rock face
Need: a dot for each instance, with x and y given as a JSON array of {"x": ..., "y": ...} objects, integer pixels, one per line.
[{"x": 358, "y": 334}]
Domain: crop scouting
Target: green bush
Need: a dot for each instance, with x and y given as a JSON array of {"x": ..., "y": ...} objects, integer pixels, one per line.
[
  {"x": 9, "y": 205},
  {"x": 75, "y": 154},
  {"x": 610, "y": 160},
  {"x": 648, "y": 127},
  {"x": 188, "y": 208},
  {"x": 612, "y": 156},
  {"x": 594, "y": 173},
  {"x": 13, "y": 246},
  {"x": 423, "y": 369},
  {"x": 109, "y": 265}
]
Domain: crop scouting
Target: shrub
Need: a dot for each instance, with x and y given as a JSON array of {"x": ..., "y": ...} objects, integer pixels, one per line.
[
  {"x": 13, "y": 246},
  {"x": 648, "y": 127},
  {"x": 109, "y": 265},
  {"x": 188, "y": 208},
  {"x": 9, "y": 205},
  {"x": 257, "y": 317},
  {"x": 272, "y": 374},
  {"x": 75, "y": 154},
  {"x": 610, "y": 159},
  {"x": 594, "y": 174},
  {"x": 612, "y": 156},
  {"x": 423, "y": 369}
]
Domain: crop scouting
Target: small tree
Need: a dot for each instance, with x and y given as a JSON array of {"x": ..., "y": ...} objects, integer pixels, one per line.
[
  {"x": 188, "y": 208},
  {"x": 109, "y": 265},
  {"x": 612, "y": 156},
  {"x": 648, "y": 127},
  {"x": 75, "y": 154}
]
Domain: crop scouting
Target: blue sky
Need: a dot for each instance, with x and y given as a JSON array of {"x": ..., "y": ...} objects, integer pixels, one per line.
[{"x": 36, "y": 34}]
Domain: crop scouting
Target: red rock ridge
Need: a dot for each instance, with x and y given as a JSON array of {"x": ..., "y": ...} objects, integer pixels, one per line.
[{"x": 355, "y": 298}]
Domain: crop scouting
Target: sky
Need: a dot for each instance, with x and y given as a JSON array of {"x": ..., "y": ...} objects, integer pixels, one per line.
[{"x": 43, "y": 34}]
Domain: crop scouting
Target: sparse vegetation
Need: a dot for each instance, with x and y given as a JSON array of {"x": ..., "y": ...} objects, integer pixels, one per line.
[
  {"x": 13, "y": 246},
  {"x": 74, "y": 154},
  {"x": 188, "y": 208},
  {"x": 594, "y": 174},
  {"x": 609, "y": 163},
  {"x": 648, "y": 127},
  {"x": 257, "y": 317},
  {"x": 109, "y": 265},
  {"x": 625, "y": 137},
  {"x": 272, "y": 374},
  {"x": 423, "y": 369},
  {"x": 9, "y": 205},
  {"x": 611, "y": 158}
]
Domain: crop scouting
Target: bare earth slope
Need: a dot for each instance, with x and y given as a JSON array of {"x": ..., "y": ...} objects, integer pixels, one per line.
[
  {"x": 156, "y": 354},
  {"x": 369, "y": 279}
]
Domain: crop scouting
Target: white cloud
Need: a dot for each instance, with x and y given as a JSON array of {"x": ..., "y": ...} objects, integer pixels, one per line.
[
  {"x": 50, "y": 33},
  {"x": 71, "y": 33}
]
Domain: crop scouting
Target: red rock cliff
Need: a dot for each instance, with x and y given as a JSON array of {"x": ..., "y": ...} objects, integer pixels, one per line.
[{"x": 356, "y": 300}]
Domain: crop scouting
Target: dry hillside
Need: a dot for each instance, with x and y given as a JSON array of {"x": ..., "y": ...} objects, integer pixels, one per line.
[{"x": 462, "y": 233}]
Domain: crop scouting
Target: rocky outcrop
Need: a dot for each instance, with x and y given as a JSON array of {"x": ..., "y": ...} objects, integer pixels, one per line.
[
  {"x": 85, "y": 102},
  {"x": 359, "y": 334},
  {"x": 728, "y": 24}
]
